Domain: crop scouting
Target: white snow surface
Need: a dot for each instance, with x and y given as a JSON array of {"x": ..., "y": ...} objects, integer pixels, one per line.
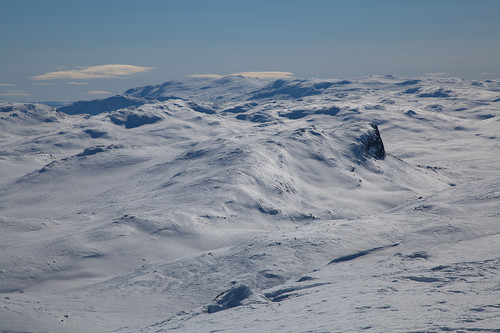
[{"x": 250, "y": 205}]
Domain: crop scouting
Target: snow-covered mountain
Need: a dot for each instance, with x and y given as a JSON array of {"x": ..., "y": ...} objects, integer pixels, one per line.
[{"x": 240, "y": 204}]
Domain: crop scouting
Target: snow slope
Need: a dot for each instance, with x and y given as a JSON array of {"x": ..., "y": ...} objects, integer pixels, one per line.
[{"x": 239, "y": 204}]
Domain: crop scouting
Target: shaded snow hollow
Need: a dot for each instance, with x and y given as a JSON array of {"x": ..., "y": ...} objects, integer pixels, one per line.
[{"x": 290, "y": 205}]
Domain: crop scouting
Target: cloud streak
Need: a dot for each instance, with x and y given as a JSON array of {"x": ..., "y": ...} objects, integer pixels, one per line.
[
  {"x": 208, "y": 76},
  {"x": 99, "y": 92},
  {"x": 7, "y": 85},
  {"x": 257, "y": 75},
  {"x": 437, "y": 74},
  {"x": 76, "y": 83},
  {"x": 15, "y": 93},
  {"x": 93, "y": 72},
  {"x": 266, "y": 75}
]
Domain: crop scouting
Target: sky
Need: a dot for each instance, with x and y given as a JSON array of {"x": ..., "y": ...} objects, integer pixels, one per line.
[{"x": 55, "y": 50}]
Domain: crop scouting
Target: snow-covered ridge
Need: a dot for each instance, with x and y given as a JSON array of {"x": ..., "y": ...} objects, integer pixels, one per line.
[
  {"x": 154, "y": 209},
  {"x": 234, "y": 89}
]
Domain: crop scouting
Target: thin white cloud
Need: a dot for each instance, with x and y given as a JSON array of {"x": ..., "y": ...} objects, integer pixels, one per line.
[
  {"x": 99, "y": 92},
  {"x": 257, "y": 75},
  {"x": 266, "y": 75},
  {"x": 7, "y": 85},
  {"x": 15, "y": 93},
  {"x": 42, "y": 83},
  {"x": 76, "y": 83},
  {"x": 436, "y": 74},
  {"x": 209, "y": 76},
  {"x": 93, "y": 72}
]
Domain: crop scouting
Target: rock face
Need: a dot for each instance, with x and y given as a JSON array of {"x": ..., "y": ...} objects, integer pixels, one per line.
[
  {"x": 373, "y": 143},
  {"x": 367, "y": 143},
  {"x": 238, "y": 295}
]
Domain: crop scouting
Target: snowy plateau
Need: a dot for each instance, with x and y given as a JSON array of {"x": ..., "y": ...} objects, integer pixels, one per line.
[{"x": 237, "y": 204}]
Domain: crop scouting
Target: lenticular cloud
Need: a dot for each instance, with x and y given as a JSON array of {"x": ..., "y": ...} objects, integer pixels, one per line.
[{"x": 93, "y": 72}]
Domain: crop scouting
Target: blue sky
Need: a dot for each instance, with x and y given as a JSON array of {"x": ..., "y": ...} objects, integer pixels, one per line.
[{"x": 157, "y": 41}]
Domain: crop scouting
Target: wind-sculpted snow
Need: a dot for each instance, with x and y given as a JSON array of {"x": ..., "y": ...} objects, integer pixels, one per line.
[
  {"x": 28, "y": 114},
  {"x": 184, "y": 205}
]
